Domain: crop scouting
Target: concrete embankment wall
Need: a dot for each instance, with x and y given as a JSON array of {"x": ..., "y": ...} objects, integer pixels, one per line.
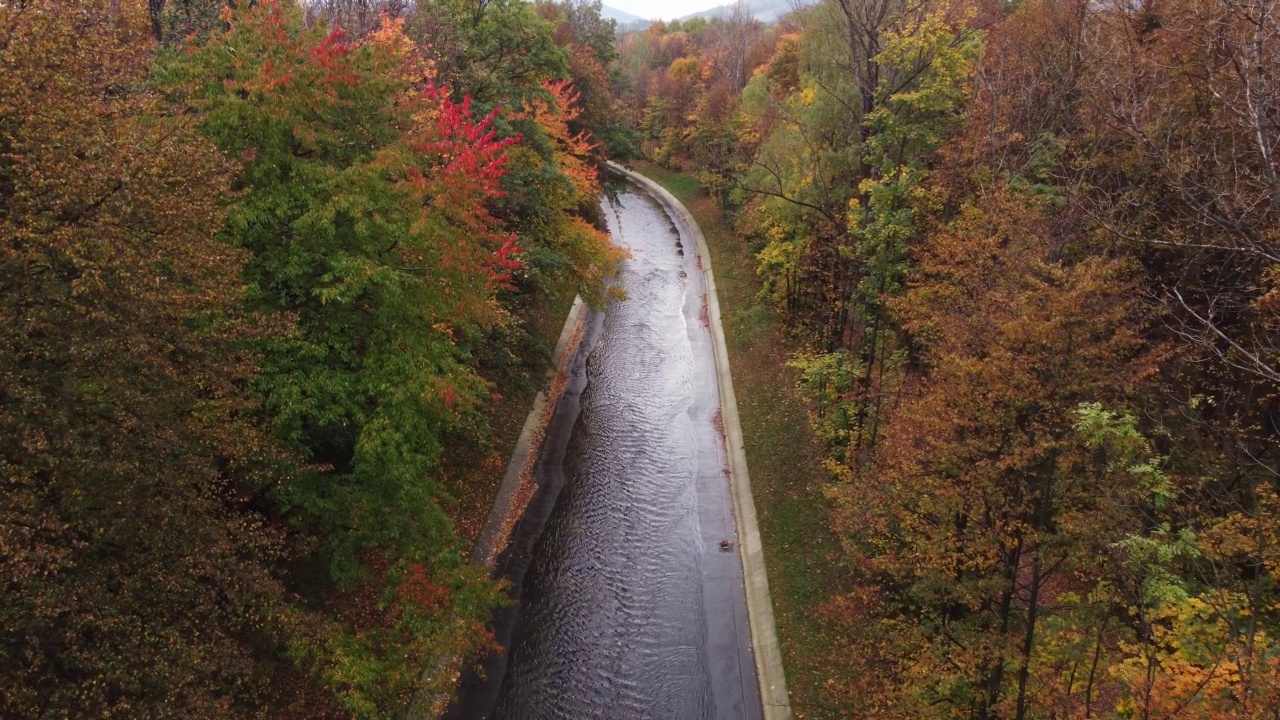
[{"x": 518, "y": 484}]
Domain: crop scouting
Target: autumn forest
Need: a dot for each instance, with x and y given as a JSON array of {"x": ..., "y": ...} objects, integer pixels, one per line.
[{"x": 280, "y": 279}]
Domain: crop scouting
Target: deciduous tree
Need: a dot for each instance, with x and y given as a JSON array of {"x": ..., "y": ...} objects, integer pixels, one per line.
[{"x": 136, "y": 555}]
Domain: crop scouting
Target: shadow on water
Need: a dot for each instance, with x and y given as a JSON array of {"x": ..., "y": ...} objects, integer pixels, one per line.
[{"x": 625, "y": 607}]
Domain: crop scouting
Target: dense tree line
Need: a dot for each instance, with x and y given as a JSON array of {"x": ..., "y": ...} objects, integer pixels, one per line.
[
  {"x": 265, "y": 265},
  {"x": 1026, "y": 254},
  {"x": 262, "y": 270}
]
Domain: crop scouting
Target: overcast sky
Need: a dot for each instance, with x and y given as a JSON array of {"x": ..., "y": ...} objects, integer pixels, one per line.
[{"x": 664, "y": 9}]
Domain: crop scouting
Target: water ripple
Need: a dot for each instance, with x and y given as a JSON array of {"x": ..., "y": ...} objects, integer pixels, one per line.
[{"x": 613, "y": 622}]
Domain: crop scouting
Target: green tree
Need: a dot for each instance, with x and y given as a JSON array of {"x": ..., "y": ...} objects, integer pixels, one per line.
[
  {"x": 362, "y": 203},
  {"x": 840, "y": 204}
]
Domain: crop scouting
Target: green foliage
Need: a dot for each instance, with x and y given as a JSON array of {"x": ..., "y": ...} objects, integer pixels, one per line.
[
  {"x": 909, "y": 122},
  {"x": 1156, "y": 556},
  {"x": 248, "y": 301},
  {"x": 364, "y": 200},
  {"x": 826, "y": 381},
  {"x": 377, "y": 244},
  {"x": 1128, "y": 450},
  {"x": 1037, "y": 180},
  {"x": 496, "y": 52}
]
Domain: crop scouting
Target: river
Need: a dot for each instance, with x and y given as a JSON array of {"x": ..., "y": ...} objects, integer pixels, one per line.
[{"x": 628, "y": 605}]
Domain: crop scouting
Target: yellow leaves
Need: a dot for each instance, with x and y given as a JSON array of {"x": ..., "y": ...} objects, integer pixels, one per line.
[
  {"x": 573, "y": 151},
  {"x": 1235, "y": 536},
  {"x": 842, "y": 473},
  {"x": 400, "y": 58},
  {"x": 782, "y": 253},
  {"x": 390, "y": 38},
  {"x": 1202, "y": 659},
  {"x": 684, "y": 70},
  {"x": 1247, "y": 537},
  {"x": 1270, "y": 300}
]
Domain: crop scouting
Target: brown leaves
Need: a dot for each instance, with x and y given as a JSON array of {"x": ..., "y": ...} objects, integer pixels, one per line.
[
  {"x": 134, "y": 571},
  {"x": 977, "y": 472}
]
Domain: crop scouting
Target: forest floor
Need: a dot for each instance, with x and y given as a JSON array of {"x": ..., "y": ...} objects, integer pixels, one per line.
[{"x": 801, "y": 552}]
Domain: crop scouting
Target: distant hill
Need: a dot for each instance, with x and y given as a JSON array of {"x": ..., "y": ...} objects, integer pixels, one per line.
[
  {"x": 626, "y": 21},
  {"x": 766, "y": 11}
]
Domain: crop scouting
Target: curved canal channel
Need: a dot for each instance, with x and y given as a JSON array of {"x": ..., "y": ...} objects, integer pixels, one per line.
[{"x": 625, "y": 567}]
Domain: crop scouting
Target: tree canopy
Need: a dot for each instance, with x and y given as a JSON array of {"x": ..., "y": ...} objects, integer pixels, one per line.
[
  {"x": 268, "y": 268},
  {"x": 1024, "y": 257},
  {"x": 251, "y": 275}
]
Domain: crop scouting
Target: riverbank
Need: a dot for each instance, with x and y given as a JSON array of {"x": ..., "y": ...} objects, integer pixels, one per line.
[
  {"x": 518, "y": 483},
  {"x": 802, "y": 555},
  {"x": 477, "y": 484},
  {"x": 627, "y": 602}
]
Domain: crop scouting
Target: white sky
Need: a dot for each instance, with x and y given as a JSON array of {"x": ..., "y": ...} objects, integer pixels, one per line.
[{"x": 664, "y": 9}]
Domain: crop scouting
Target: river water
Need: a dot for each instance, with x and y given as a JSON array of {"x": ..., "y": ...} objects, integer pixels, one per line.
[{"x": 628, "y": 607}]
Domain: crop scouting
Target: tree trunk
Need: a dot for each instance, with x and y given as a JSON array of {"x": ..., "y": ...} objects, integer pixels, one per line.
[
  {"x": 156, "y": 8},
  {"x": 1028, "y": 638}
]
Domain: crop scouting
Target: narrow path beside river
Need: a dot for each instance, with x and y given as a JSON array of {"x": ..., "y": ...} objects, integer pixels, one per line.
[{"x": 628, "y": 606}]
